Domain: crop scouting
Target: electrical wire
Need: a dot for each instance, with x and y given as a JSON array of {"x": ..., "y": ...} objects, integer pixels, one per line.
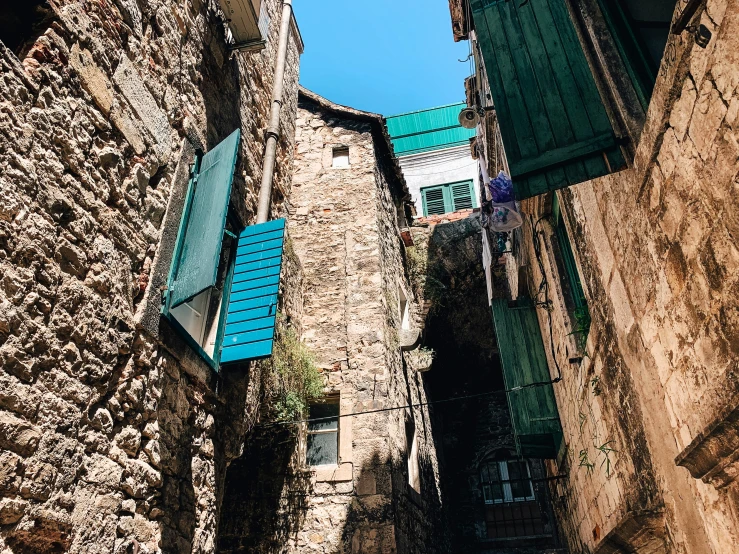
[
  {"x": 544, "y": 288},
  {"x": 417, "y": 405}
]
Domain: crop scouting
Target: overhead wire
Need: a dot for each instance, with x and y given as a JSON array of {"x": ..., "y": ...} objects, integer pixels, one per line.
[{"x": 406, "y": 406}]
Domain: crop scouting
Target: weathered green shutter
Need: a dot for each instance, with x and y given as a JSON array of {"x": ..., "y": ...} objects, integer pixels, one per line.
[
  {"x": 434, "y": 202},
  {"x": 201, "y": 235},
  {"x": 533, "y": 410},
  {"x": 450, "y": 197},
  {"x": 463, "y": 195},
  {"x": 554, "y": 126},
  {"x": 252, "y": 302}
]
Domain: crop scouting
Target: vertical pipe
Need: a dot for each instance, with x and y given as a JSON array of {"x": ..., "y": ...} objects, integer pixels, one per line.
[{"x": 273, "y": 129}]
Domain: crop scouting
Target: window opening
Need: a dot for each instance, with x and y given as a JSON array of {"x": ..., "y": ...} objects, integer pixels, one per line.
[
  {"x": 640, "y": 31},
  {"x": 414, "y": 473},
  {"x": 579, "y": 303},
  {"x": 405, "y": 312},
  {"x": 511, "y": 509},
  {"x": 201, "y": 316},
  {"x": 323, "y": 436},
  {"x": 22, "y": 22},
  {"x": 340, "y": 156}
]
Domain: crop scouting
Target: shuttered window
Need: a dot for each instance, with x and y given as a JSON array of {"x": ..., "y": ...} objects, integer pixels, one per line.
[
  {"x": 534, "y": 414},
  {"x": 450, "y": 197},
  {"x": 222, "y": 289},
  {"x": 252, "y": 305},
  {"x": 552, "y": 120}
]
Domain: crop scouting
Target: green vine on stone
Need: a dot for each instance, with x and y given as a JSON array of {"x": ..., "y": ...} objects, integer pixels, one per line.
[{"x": 294, "y": 380}]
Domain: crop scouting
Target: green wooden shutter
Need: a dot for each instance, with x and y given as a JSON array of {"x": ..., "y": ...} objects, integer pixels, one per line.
[
  {"x": 554, "y": 126},
  {"x": 533, "y": 410},
  {"x": 201, "y": 235},
  {"x": 252, "y": 301},
  {"x": 434, "y": 201}
]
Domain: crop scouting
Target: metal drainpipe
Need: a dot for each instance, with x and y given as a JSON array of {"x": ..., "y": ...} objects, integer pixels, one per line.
[{"x": 273, "y": 130}]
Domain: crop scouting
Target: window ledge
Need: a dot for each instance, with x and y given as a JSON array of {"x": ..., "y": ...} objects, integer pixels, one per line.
[{"x": 334, "y": 474}]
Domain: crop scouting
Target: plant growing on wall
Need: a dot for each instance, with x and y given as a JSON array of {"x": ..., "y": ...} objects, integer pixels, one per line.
[{"x": 293, "y": 380}]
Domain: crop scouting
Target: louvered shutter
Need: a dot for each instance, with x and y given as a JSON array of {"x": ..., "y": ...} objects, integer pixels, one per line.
[
  {"x": 554, "y": 126},
  {"x": 201, "y": 235},
  {"x": 434, "y": 202},
  {"x": 252, "y": 302},
  {"x": 533, "y": 410},
  {"x": 463, "y": 195}
]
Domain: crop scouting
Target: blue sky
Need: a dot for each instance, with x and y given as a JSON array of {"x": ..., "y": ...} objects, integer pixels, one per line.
[{"x": 384, "y": 56}]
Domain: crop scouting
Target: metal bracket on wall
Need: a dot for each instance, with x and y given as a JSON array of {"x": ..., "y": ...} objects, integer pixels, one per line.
[{"x": 686, "y": 14}]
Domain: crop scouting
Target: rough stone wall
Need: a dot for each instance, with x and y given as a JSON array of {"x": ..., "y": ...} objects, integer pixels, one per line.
[
  {"x": 656, "y": 246},
  {"x": 114, "y": 434},
  {"x": 345, "y": 232}
]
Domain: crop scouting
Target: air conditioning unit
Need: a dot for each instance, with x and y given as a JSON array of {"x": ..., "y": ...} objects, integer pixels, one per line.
[{"x": 248, "y": 23}]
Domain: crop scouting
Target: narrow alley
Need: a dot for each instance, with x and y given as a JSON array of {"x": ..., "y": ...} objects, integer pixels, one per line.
[{"x": 419, "y": 277}]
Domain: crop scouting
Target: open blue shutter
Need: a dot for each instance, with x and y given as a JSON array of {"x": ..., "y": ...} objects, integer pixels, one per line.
[
  {"x": 202, "y": 235},
  {"x": 252, "y": 302},
  {"x": 534, "y": 413},
  {"x": 555, "y": 129}
]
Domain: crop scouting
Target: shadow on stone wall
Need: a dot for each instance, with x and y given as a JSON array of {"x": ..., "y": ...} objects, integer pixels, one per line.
[{"x": 264, "y": 501}]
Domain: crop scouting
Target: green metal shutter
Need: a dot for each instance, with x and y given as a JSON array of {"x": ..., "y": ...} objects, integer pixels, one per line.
[
  {"x": 534, "y": 409},
  {"x": 199, "y": 242},
  {"x": 252, "y": 301},
  {"x": 554, "y": 126}
]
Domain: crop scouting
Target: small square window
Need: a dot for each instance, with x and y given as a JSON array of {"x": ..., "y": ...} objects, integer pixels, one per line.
[
  {"x": 323, "y": 433},
  {"x": 341, "y": 157}
]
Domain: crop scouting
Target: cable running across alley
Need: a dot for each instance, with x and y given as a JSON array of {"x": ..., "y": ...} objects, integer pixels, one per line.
[{"x": 418, "y": 405}]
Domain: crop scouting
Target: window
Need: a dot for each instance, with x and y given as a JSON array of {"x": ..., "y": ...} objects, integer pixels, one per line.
[
  {"x": 506, "y": 481},
  {"x": 221, "y": 293},
  {"x": 640, "y": 31},
  {"x": 405, "y": 311},
  {"x": 340, "y": 157},
  {"x": 451, "y": 197},
  {"x": 414, "y": 473},
  {"x": 571, "y": 277},
  {"x": 511, "y": 509},
  {"x": 323, "y": 435}
]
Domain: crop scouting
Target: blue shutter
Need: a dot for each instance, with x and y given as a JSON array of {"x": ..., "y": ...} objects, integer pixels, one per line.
[
  {"x": 200, "y": 239},
  {"x": 534, "y": 413},
  {"x": 252, "y": 302}
]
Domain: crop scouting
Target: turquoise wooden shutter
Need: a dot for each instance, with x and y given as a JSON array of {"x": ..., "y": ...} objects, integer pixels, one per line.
[
  {"x": 434, "y": 201},
  {"x": 201, "y": 235},
  {"x": 533, "y": 410},
  {"x": 252, "y": 302},
  {"x": 554, "y": 126},
  {"x": 463, "y": 195}
]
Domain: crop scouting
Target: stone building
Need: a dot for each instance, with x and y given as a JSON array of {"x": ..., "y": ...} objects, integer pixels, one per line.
[
  {"x": 433, "y": 150},
  {"x": 371, "y": 484},
  {"x": 115, "y": 429},
  {"x": 627, "y": 257}
]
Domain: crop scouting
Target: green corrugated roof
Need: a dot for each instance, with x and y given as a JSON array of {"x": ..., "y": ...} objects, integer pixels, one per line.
[{"x": 426, "y": 130}]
